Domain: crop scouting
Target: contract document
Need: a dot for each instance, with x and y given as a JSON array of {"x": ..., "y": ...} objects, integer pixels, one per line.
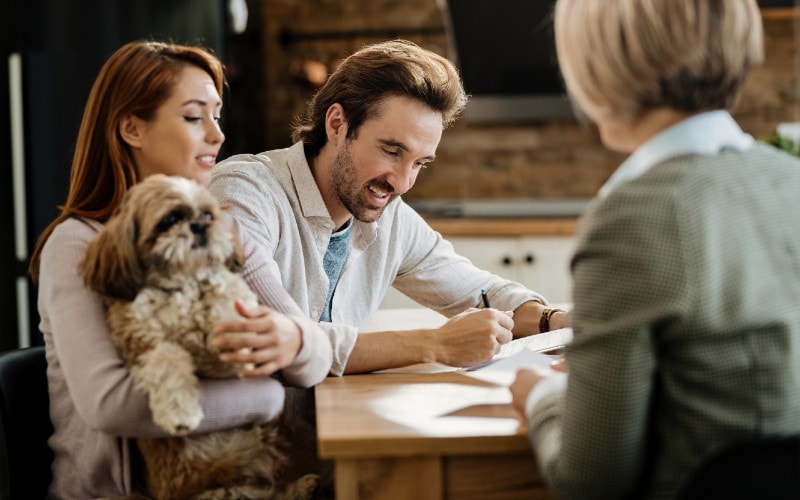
[{"x": 519, "y": 353}]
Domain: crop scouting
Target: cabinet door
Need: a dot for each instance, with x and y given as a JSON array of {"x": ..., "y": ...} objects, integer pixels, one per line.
[
  {"x": 545, "y": 266},
  {"x": 501, "y": 256},
  {"x": 496, "y": 255},
  {"x": 541, "y": 263}
]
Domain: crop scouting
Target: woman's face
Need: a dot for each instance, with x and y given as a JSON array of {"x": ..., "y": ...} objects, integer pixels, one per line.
[{"x": 183, "y": 138}]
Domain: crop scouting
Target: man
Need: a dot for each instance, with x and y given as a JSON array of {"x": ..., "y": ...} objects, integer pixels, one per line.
[{"x": 328, "y": 211}]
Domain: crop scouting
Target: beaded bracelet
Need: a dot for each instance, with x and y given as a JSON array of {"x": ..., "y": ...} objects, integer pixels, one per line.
[{"x": 544, "y": 320}]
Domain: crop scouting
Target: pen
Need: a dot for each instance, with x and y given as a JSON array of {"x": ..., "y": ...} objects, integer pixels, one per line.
[{"x": 485, "y": 298}]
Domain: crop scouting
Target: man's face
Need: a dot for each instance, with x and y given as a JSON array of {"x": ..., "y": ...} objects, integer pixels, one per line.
[{"x": 382, "y": 160}]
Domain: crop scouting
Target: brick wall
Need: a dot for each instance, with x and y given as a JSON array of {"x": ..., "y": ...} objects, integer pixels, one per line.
[{"x": 534, "y": 160}]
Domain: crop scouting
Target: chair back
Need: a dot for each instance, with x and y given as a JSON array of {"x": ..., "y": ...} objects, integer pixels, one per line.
[
  {"x": 765, "y": 467},
  {"x": 25, "y": 457}
]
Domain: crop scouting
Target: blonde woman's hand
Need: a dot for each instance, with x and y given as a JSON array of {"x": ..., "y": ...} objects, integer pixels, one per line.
[
  {"x": 560, "y": 364},
  {"x": 527, "y": 378}
]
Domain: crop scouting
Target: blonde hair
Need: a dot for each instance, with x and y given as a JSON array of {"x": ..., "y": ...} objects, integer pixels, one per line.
[{"x": 621, "y": 58}]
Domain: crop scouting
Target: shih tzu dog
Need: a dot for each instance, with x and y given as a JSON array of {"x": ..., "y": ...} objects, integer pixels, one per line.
[{"x": 166, "y": 265}]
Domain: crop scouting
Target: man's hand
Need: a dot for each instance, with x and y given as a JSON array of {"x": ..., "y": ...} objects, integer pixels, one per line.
[
  {"x": 528, "y": 314},
  {"x": 472, "y": 337},
  {"x": 561, "y": 319}
]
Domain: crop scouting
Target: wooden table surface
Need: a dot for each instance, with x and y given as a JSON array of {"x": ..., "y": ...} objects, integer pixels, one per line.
[
  {"x": 389, "y": 414},
  {"x": 419, "y": 436}
]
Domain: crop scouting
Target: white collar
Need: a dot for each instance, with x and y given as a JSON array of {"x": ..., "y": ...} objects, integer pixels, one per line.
[{"x": 704, "y": 134}]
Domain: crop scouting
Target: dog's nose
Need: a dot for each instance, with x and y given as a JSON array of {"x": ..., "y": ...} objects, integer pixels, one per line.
[{"x": 199, "y": 229}]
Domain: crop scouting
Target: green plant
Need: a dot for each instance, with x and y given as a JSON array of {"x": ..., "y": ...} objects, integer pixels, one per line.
[{"x": 784, "y": 143}]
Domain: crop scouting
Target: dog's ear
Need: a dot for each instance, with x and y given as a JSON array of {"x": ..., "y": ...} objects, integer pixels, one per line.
[
  {"x": 111, "y": 265},
  {"x": 236, "y": 260}
]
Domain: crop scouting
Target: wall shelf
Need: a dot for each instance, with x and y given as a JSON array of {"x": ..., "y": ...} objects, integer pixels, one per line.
[{"x": 780, "y": 13}]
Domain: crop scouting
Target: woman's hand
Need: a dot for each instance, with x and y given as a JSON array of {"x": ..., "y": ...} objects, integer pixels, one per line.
[
  {"x": 527, "y": 378},
  {"x": 266, "y": 340},
  {"x": 560, "y": 364}
]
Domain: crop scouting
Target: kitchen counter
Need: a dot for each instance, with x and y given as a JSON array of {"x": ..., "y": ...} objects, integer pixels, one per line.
[
  {"x": 528, "y": 226},
  {"x": 489, "y": 217}
]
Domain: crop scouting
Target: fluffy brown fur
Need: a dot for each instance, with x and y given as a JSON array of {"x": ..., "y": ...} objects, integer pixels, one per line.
[{"x": 166, "y": 266}]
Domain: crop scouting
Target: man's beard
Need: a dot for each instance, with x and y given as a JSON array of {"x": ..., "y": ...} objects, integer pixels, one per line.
[{"x": 352, "y": 196}]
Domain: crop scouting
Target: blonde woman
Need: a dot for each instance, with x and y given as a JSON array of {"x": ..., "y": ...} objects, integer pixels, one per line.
[{"x": 686, "y": 274}]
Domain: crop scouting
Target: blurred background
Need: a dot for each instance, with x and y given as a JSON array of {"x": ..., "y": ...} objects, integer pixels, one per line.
[{"x": 518, "y": 140}]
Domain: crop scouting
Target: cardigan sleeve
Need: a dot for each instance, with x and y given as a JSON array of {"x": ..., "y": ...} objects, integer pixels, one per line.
[{"x": 313, "y": 362}]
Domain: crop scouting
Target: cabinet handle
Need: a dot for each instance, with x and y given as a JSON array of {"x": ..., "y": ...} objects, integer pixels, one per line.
[
  {"x": 530, "y": 259},
  {"x": 507, "y": 261}
]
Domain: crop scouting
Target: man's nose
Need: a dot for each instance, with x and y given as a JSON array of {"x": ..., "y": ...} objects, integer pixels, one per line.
[{"x": 403, "y": 179}]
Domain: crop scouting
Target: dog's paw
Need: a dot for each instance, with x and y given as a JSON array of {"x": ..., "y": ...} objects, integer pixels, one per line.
[
  {"x": 306, "y": 486},
  {"x": 166, "y": 374},
  {"x": 179, "y": 421}
]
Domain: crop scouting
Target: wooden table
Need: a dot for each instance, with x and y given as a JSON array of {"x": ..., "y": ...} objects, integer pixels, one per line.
[{"x": 421, "y": 436}]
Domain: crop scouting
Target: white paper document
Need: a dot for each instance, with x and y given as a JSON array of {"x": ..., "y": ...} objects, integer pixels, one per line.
[
  {"x": 539, "y": 342},
  {"x": 519, "y": 353},
  {"x": 532, "y": 344},
  {"x": 502, "y": 371}
]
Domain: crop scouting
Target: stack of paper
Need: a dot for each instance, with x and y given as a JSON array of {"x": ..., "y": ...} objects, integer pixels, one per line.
[{"x": 540, "y": 342}]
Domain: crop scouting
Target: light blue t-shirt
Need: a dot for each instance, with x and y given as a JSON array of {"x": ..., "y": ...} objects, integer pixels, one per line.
[{"x": 333, "y": 262}]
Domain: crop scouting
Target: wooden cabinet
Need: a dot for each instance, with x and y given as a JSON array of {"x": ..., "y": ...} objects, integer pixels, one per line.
[{"x": 541, "y": 263}]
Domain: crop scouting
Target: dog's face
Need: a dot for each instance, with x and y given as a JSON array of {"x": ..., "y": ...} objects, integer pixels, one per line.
[{"x": 165, "y": 230}]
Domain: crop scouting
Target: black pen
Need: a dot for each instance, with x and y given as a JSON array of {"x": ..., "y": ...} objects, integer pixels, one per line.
[{"x": 485, "y": 299}]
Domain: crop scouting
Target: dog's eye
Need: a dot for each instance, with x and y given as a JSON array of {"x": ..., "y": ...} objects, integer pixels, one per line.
[
  {"x": 167, "y": 222},
  {"x": 208, "y": 215}
]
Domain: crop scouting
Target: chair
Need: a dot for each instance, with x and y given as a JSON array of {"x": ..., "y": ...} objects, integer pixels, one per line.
[
  {"x": 766, "y": 467},
  {"x": 25, "y": 426}
]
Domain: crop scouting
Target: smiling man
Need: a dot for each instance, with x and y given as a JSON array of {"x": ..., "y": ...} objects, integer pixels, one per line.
[{"x": 328, "y": 213}]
